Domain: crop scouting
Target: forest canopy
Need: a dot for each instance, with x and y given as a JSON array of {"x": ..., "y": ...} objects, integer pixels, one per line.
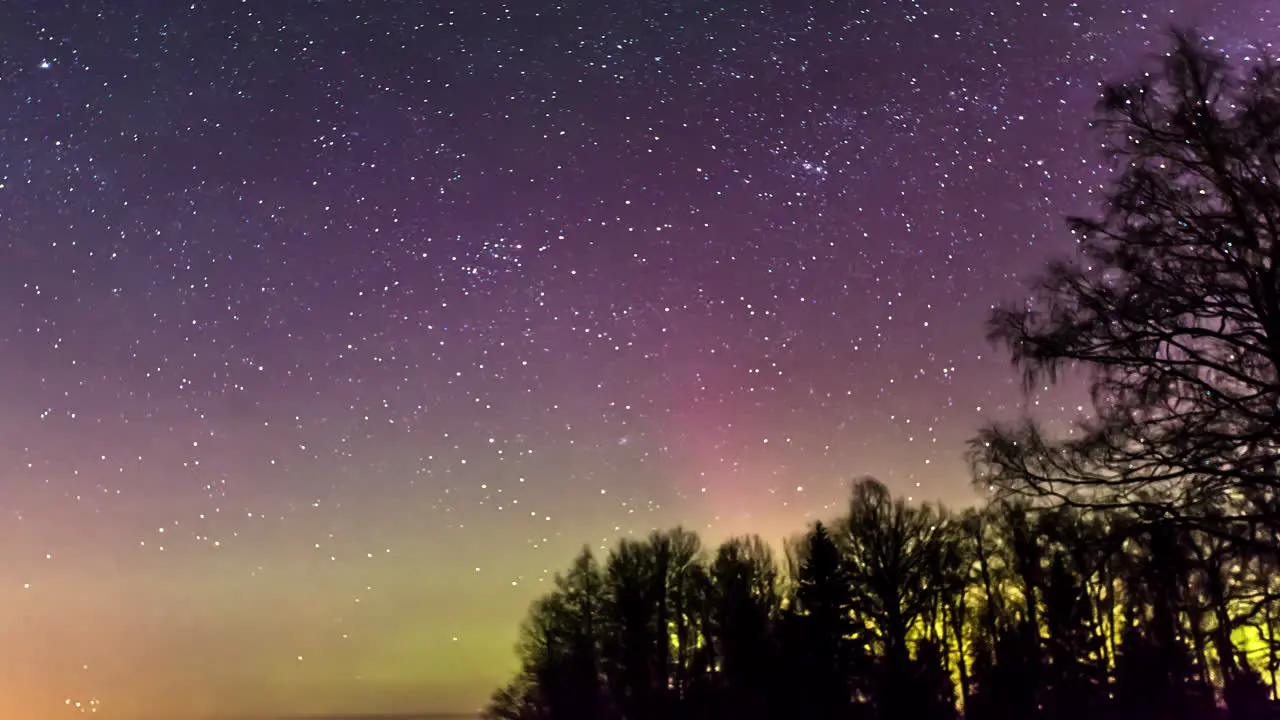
[{"x": 1129, "y": 570}]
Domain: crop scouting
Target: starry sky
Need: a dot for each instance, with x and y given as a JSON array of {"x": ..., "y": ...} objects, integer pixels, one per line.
[{"x": 330, "y": 330}]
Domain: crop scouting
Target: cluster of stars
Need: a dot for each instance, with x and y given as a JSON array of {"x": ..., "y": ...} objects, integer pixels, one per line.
[{"x": 303, "y": 300}]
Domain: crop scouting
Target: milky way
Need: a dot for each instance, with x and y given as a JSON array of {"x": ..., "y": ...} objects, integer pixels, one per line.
[{"x": 329, "y": 330}]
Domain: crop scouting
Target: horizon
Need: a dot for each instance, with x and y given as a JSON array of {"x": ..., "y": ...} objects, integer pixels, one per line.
[
  {"x": 330, "y": 716},
  {"x": 366, "y": 716}
]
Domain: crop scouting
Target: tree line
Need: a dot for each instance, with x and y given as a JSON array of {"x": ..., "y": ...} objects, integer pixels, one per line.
[{"x": 1127, "y": 569}]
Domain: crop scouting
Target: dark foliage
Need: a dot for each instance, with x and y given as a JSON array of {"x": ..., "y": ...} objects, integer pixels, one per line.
[
  {"x": 1172, "y": 305},
  {"x": 1068, "y": 614},
  {"x": 1130, "y": 570}
]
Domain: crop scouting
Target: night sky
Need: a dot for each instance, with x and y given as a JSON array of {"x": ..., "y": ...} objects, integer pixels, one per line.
[{"x": 330, "y": 330}]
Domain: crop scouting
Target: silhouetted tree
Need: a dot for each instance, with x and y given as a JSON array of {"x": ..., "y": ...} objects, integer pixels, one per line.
[
  {"x": 1005, "y": 679},
  {"x": 1172, "y": 305},
  {"x": 1123, "y": 571},
  {"x": 559, "y": 652},
  {"x": 980, "y": 549},
  {"x": 553, "y": 687},
  {"x": 514, "y": 701},
  {"x": 1126, "y": 616},
  {"x": 747, "y": 602},
  {"x": 1004, "y": 683},
  {"x": 1157, "y": 680},
  {"x": 581, "y": 618},
  {"x": 890, "y": 550},
  {"x": 1074, "y": 676},
  {"x": 635, "y": 590},
  {"x": 685, "y": 582},
  {"x": 933, "y": 693},
  {"x": 822, "y": 662}
]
